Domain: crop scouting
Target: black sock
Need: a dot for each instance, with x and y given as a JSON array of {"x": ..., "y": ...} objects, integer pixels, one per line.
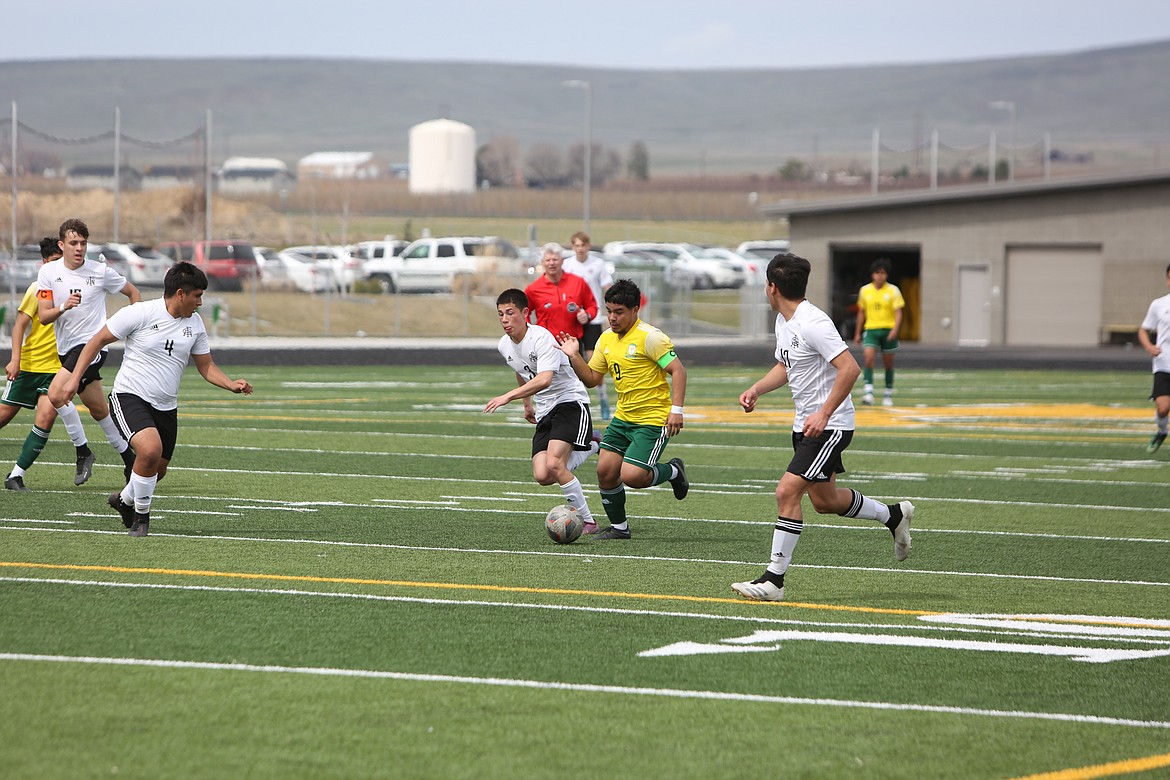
[
  {"x": 772, "y": 577},
  {"x": 83, "y": 451},
  {"x": 895, "y": 516}
]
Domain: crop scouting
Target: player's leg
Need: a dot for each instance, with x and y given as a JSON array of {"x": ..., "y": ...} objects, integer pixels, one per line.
[
  {"x": 153, "y": 434},
  {"x": 769, "y": 586},
  {"x": 869, "y": 359},
  {"x": 93, "y": 397},
  {"x": 1161, "y": 398},
  {"x": 609, "y": 480},
  {"x": 888, "y": 361},
  {"x": 565, "y": 431},
  {"x": 71, "y": 419},
  {"x": 24, "y": 392}
]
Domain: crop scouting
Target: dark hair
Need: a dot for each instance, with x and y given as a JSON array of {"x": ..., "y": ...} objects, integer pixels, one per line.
[
  {"x": 624, "y": 292},
  {"x": 75, "y": 225},
  {"x": 513, "y": 296},
  {"x": 881, "y": 264},
  {"x": 183, "y": 276},
  {"x": 49, "y": 247},
  {"x": 789, "y": 273}
]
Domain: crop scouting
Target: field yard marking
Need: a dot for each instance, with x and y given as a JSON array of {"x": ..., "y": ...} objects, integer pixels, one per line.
[
  {"x": 676, "y": 693},
  {"x": 772, "y": 640},
  {"x": 1124, "y": 767},
  {"x": 616, "y": 556},
  {"x": 448, "y": 586}
]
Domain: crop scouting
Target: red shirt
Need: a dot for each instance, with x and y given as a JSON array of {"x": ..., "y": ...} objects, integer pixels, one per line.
[{"x": 556, "y": 305}]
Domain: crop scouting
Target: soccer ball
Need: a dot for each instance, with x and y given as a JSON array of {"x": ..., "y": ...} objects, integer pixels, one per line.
[{"x": 563, "y": 524}]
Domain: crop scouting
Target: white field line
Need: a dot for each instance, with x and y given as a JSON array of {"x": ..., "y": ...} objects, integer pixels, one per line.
[
  {"x": 758, "y": 620},
  {"x": 617, "y": 690},
  {"x": 595, "y": 557}
]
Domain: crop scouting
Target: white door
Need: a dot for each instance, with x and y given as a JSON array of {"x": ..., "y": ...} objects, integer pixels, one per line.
[
  {"x": 1054, "y": 295},
  {"x": 974, "y": 314}
]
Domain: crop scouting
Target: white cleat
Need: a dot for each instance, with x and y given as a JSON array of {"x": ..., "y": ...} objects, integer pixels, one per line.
[
  {"x": 888, "y": 401},
  {"x": 902, "y": 532},
  {"x": 760, "y": 590},
  {"x": 867, "y": 399}
]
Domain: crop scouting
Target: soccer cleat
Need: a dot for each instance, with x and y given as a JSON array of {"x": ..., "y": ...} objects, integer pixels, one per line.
[
  {"x": 867, "y": 399},
  {"x": 84, "y": 468},
  {"x": 15, "y": 483},
  {"x": 888, "y": 401},
  {"x": 680, "y": 484},
  {"x": 762, "y": 589},
  {"x": 141, "y": 525},
  {"x": 1156, "y": 442},
  {"x": 125, "y": 510},
  {"x": 609, "y": 532},
  {"x": 588, "y": 529},
  {"x": 902, "y": 531}
]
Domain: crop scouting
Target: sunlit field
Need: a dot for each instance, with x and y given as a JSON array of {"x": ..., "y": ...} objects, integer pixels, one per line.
[{"x": 347, "y": 576}]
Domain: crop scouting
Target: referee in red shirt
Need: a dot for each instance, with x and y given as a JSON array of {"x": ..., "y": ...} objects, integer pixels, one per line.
[{"x": 561, "y": 302}]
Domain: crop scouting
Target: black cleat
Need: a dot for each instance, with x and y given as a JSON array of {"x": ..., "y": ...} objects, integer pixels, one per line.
[
  {"x": 15, "y": 483},
  {"x": 609, "y": 532},
  {"x": 141, "y": 525},
  {"x": 1156, "y": 442},
  {"x": 126, "y": 511},
  {"x": 84, "y": 468},
  {"x": 680, "y": 483}
]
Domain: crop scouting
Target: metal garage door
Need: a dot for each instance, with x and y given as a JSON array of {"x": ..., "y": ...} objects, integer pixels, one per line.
[{"x": 1054, "y": 295}]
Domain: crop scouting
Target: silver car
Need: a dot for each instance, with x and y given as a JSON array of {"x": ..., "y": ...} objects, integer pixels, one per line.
[{"x": 141, "y": 264}]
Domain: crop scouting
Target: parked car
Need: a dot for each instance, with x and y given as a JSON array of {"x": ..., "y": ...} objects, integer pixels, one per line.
[
  {"x": 434, "y": 264},
  {"x": 117, "y": 262},
  {"x": 345, "y": 268},
  {"x": 19, "y": 272},
  {"x": 142, "y": 265},
  {"x": 285, "y": 271},
  {"x": 753, "y": 269},
  {"x": 373, "y": 250},
  {"x": 687, "y": 262},
  {"x": 227, "y": 263},
  {"x": 764, "y": 250}
]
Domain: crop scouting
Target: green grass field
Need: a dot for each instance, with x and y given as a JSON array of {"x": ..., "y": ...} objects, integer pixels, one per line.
[{"x": 348, "y": 576}]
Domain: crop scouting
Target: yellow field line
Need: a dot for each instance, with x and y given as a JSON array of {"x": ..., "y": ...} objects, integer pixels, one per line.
[
  {"x": 454, "y": 586},
  {"x": 1105, "y": 770}
]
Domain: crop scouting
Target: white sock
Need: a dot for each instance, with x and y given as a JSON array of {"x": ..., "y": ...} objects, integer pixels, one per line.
[
  {"x": 867, "y": 509},
  {"x": 69, "y": 415},
  {"x": 143, "y": 490},
  {"x": 1163, "y": 423},
  {"x": 784, "y": 539},
  {"x": 869, "y": 388},
  {"x": 575, "y": 498},
  {"x": 577, "y": 457},
  {"x": 112, "y": 435},
  {"x": 17, "y": 471}
]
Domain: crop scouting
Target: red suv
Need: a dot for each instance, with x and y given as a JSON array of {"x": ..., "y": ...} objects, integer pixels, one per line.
[{"x": 226, "y": 263}]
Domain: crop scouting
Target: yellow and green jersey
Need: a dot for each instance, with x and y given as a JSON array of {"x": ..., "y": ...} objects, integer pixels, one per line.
[
  {"x": 39, "y": 353},
  {"x": 880, "y": 305},
  {"x": 637, "y": 363}
]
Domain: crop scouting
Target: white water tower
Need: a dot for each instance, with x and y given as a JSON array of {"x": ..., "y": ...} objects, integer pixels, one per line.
[{"x": 442, "y": 157}]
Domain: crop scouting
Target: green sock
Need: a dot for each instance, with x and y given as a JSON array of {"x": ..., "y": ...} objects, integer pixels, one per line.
[
  {"x": 661, "y": 473},
  {"x": 890, "y": 378},
  {"x": 867, "y": 374},
  {"x": 613, "y": 501},
  {"x": 33, "y": 444}
]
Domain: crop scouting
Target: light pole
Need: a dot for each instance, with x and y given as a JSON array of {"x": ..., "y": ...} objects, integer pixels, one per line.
[
  {"x": 585, "y": 85},
  {"x": 1010, "y": 107}
]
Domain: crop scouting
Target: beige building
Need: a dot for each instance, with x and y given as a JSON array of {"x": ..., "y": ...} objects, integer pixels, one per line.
[{"x": 1071, "y": 262}]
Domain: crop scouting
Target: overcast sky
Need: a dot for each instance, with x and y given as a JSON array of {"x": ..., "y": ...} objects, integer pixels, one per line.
[{"x": 658, "y": 34}]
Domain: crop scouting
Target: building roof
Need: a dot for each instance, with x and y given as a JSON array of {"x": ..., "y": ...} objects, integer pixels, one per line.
[
  {"x": 976, "y": 192},
  {"x": 336, "y": 158},
  {"x": 253, "y": 163}
]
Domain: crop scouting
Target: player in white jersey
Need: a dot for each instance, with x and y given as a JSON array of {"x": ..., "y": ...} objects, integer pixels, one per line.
[
  {"x": 813, "y": 360},
  {"x": 564, "y": 435},
  {"x": 71, "y": 294},
  {"x": 161, "y": 337},
  {"x": 1158, "y": 320},
  {"x": 593, "y": 269}
]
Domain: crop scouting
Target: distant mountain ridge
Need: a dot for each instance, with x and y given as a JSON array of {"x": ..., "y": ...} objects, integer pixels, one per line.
[{"x": 691, "y": 121}]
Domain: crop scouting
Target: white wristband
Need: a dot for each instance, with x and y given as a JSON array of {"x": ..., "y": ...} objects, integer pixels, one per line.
[
  {"x": 62, "y": 307},
  {"x": 676, "y": 410}
]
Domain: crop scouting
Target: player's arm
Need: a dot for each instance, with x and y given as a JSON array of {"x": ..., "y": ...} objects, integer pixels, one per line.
[
  {"x": 215, "y": 375},
  {"x": 48, "y": 312},
  {"x": 776, "y": 378},
  {"x": 860, "y": 319},
  {"x": 131, "y": 292},
  {"x": 678, "y": 395},
  {"x": 897, "y": 324},
  {"x": 18, "y": 328},
  {"x": 102, "y": 339},
  {"x": 847, "y": 373},
  {"x": 1143, "y": 338},
  {"x": 589, "y": 302},
  {"x": 585, "y": 372},
  {"x": 525, "y": 390}
]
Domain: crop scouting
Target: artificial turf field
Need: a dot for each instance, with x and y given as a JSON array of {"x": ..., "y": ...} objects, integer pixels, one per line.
[{"x": 348, "y": 576}]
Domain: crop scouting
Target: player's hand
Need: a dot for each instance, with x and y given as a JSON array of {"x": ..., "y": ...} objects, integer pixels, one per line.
[
  {"x": 241, "y": 386},
  {"x": 64, "y": 392},
  {"x": 815, "y": 423},
  {"x": 674, "y": 424},
  {"x": 12, "y": 369},
  {"x": 494, "y": 404},
  {"x": 530, "y": 414},
  {"x": 748, "y": 398},
  {"x": 569, "y": 344},
  {"x": 582, "y": 316},
  {"x": 1154, "y": 351}
]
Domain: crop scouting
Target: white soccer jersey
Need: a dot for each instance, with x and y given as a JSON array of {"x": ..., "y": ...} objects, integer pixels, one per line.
[
  {"x": 537, "y": 352},
  {"x": 805, "y": 345},
  {"x": 158, "y": 347},
  {"x": 1158, "y": 318},
  {"x": 92, "y": 280},
  {"x": 596, "y": 275}
]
